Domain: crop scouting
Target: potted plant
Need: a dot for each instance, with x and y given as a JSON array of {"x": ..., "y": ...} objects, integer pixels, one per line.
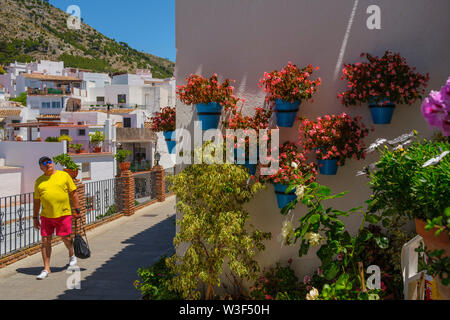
[
  {"x": 415, "y": 182},
  {"x": 292, "y": 166},
  {"x": 70, "y": 166},
  {"x": 19, "y": 138},
  {"x": 77, "y": 147},
  {"x": 259, "y": 121},
  {"x": 436, "y": 109},
  {"x": 64, "y": 137},
  {"x": 165, "y": 121},
  {"x": 38, "y": 139},
  {"x": 209, "y": 97},
  {"x": 97, "y": 138},
  {"x": 287, "y": 89},
  {"x": 121, "y": 155},
  {"x": 52, "y": 139},
  {"x": 334, "y": 139},
  {"x": 382, "y": 83}
]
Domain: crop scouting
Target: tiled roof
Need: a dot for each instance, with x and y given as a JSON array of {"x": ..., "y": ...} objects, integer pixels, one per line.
[
  {"x": 49, "y": 77},
  {"x": 112, "y": 111},
  {"x": 148, "y": 125},
  {"x": 10, "y": 112},
  {"x": 49, "y": 116}
]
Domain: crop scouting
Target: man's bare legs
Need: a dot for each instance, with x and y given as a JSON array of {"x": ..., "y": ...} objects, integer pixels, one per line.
[
  {"x": 46, "y": 252},
  {"x": 69, "y": 244}
]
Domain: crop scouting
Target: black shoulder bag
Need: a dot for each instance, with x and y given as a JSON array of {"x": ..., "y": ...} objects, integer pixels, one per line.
[{"x": 81, "y": 247}]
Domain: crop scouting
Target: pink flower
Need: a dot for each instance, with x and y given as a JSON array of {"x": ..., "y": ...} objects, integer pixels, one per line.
[{"x": 306, "y": 279}]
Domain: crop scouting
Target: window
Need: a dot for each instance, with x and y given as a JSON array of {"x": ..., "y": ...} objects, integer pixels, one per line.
[
  {"x": 100, "y": 99},
  {"x": 82, "y": 132},
  {"x": 127, "y": 122},
  {"x": 121, "y": 98},
  {"x": 86, "y": 171},
  {"x": 56, "y": 104},
  {"x": 64, "y": 132},
  {"x": 45, "y": 105}
]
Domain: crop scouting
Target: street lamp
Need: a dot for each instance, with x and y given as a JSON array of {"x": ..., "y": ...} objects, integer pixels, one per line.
[{"x": 157, "y": 158}]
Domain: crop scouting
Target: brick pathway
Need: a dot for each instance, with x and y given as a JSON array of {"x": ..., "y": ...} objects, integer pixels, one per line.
[{"x": 118, "y": 249}]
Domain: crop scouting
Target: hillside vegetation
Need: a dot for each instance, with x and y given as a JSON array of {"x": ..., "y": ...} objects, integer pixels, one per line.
[{"x": 34, "y": 29}]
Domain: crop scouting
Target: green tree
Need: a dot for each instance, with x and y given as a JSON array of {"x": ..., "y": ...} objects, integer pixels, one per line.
[
  {"x": 211, "y": 199},
  {"x": 22, "y": 98}
]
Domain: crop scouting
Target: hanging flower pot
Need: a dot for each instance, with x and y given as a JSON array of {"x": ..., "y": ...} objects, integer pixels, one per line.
[
  {"x": 170, "y": 143},
  {"x": 209, "y": 114},
  {"x": 328, "y": 167},
  {"x": 286, "y": 112},
  {"x": 381, "y": 110},
  {"x": 250, "y": 166},
  {"x": 282, "y": 198}
]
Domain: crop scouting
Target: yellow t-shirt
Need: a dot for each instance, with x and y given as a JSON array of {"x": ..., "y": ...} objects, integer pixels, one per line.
[{"x": 53, "y": 191}]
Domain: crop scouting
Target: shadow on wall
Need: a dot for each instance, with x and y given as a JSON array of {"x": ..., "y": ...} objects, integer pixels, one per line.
[{"x": 114, "y": 279}]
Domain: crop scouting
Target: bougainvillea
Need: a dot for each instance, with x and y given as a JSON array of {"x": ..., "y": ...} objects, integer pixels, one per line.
[
  {"x": 164, "y": 120},
  {"x": 388, "y": 77},
  {"x": 290, "y": 84},
  {"x": 203, "y": 90},
  {"x": 292, "y": 166},
  {"x": 436, "y": 109},
  {"x": 334, "y": 136}
]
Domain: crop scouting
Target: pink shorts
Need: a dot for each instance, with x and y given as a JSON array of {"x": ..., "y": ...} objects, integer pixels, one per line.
[{"x": 63, "y": 226}]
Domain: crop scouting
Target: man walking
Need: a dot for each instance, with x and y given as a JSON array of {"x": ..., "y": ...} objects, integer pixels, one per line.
[{"x": 52, "y": 190}]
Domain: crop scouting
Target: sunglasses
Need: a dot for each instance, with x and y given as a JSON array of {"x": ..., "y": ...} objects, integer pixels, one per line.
[{"x": 47, "y": 162}]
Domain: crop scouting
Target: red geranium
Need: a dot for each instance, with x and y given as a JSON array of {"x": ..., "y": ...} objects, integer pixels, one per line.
[
  {"x": 203, "y": 90},
  {"x": 164, "y": 120},
  {"x": 334, "y": 136},
  {"x": 388, "y": 77},
  {"x": 290, "y": 84},
  {"x": 292, "y": 166}
]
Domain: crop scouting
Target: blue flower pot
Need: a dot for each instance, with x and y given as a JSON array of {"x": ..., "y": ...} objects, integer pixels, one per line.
[
  {"x": 328, "y": 167},
  {"x": 170, "y": 143},
  {"x": 286, "y": 112},
  {"x": 381, "y": 114},
  {"x": 282, "y": 198},
  {"x": 209, "y": 114},
  {"x": 247, "y": 164}
]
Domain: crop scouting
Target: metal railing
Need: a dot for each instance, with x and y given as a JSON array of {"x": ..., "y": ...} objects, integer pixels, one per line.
[
  {"x": 103, "y": 199},
  {"x": 16, "y": 223},
  {"x": 90, "y": 147},
  {"x": 138, "y": 166},
  {"x": 144, "y": 187}
]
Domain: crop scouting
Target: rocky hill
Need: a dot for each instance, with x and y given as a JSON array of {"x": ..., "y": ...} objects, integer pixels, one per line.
[{"x": 34, "y": 29}]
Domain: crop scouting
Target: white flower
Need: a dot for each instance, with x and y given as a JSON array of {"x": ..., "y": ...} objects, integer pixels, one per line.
[
  {"x": 294, "y": 165},
  {"x": 287, "y": 232},
  {"x": 314, "y": 238},
  {"x": 313, "y": 294},
  {"x": 300, "y": 192}
]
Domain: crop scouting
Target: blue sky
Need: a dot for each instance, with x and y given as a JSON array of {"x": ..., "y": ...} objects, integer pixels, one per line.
[{"x": 146, "y": 25}]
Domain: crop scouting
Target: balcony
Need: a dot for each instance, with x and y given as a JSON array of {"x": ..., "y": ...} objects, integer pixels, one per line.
[
  {"x": 124, "y": 135},
  {"x": 48, "y": 91}
]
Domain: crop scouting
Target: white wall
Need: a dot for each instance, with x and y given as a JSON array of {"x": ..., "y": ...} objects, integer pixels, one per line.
[
  {"x": 102, "y": 166},
  {"x": 11, "y": 179},
  {"x": 26, "y": 155},
  {"x": 241, "y": 40}
]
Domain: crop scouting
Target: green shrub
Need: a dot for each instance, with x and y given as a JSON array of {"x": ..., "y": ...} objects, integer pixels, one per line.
[
  {"x": 52, "y": 139},
  {"x": 153, "y": 282},
  {"x": 121, "y": 155},
  {"x": 66, "y": 161}
]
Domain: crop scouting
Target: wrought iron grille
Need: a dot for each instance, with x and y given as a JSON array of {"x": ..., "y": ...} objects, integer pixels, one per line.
[{"x": 144, "y": 187}]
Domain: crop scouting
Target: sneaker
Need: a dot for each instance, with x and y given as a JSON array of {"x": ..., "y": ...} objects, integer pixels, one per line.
[
  {"x": 42, "y": 275},
  {"x": 72, "y": 261}
]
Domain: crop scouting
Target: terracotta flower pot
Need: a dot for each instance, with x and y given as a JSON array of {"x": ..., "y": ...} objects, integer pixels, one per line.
[
  {"x": 72, "y": 173},
  {"x": 97, "y": 149},
  {"x": 435, "y": 243},
  {"x": 124, "y": 166}
]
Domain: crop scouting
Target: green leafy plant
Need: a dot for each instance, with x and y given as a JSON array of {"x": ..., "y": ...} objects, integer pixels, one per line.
[
  {"x": 97, "y": 137},
  {"x": 154, "y": 282},
  {"x": 339, "y": 251},
  {"x": 401, "y": 185},
  {"x": 66, "y": 161},
  {"x": 111, "y": 210},
  {"x": 22, "y": 98},
  {"x": 278, "y": 283},
  {"x": 211, "y": 199},
  {"x": 121, "y": 155},
  {"x": 437, "y": 265},
  {"x": 64, "y": 137},
  {"x": 77, "y": 147},
  {"x": 52, "y": 139}
]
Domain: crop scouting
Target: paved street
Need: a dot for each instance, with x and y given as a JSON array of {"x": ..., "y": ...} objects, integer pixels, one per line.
[{"x": 118, "y": 249}]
